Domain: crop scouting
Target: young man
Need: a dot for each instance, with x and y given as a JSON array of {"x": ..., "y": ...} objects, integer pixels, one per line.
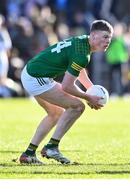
[{"x": 62, "y": 102}]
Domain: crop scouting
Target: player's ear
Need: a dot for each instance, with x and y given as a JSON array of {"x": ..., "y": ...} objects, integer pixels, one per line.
[{"x": 93, "y": 35}]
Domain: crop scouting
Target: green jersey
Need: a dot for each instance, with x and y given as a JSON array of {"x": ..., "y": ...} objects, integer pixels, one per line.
[{"x": 70, "y": 55}]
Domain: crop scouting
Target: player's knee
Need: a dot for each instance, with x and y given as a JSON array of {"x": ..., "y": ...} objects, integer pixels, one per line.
[
  {"x": 79, "y": 107},
  {"x": 55, "y": 114},
  {"x": 58, "y": 113}
]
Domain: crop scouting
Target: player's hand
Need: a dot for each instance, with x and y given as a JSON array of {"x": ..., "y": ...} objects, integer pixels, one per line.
[{"x": 93, "y": 102}]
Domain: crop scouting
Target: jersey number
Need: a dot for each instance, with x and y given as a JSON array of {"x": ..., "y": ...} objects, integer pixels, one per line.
[{"x": 61, "y": 45}]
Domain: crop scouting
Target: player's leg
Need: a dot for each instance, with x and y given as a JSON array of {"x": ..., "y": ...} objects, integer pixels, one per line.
[
  {"x": 73, "y": 109},
  {"x": 53, "y": 114},
  {"x": 51, "y": 92},
  {"x": 48, "y": 122},
  {"x": 73, "y": 106}
]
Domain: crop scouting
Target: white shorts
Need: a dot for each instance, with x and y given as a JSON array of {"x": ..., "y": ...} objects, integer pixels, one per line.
[{"x": 35, "y": 86}]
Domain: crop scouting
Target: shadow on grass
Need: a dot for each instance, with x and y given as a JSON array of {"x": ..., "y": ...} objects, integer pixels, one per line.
[
  {"x": 4, "y": 152},
  {"x": 65, "y": 171},
  {"x": 82, "y": 169},
  {"x": 82, "y": 165},
  {"x": 68, "y": 173},
  {"x": 15, "y": 163},
  {"x": 12, "y": 151}
]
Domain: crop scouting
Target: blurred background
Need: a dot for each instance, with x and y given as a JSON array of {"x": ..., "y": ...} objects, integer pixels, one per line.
[{"x": 27, "y": 27}]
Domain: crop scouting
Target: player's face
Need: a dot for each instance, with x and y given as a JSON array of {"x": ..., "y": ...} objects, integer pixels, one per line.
[{"x": 101, "y": 40}]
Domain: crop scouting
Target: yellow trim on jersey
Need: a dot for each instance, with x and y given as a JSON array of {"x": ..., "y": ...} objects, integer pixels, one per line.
[{"x": 76, "y": 66}]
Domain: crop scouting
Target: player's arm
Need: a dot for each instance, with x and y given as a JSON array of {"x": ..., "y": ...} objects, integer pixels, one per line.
[
  {"x": 84, "y": 79},
  {"x": 68, "y": 85}
]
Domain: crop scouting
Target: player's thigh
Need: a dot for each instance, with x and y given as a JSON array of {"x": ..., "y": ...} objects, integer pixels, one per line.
[
  {"x": 51, "y": 109},
  {"x": 60, "y": 98}
]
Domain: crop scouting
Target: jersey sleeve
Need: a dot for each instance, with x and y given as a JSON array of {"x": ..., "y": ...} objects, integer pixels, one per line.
[{"x": 76, "y": 64}]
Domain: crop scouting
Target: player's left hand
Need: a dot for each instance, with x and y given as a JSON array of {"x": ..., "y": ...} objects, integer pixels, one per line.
[
  {"x": 93, "y": 102},
  {"x": 95, "y": 107}
]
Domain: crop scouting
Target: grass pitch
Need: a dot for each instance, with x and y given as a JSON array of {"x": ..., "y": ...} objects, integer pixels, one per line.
[{"x": 99, "y": 141}]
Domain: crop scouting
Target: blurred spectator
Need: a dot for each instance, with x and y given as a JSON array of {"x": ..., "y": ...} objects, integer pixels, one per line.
[
  {"x": 93, "y": 8},
  {"x": 108, "y": 10},
  {"x": 62, "y": 31},
  {"x": 8, "y": 87},
  {"x": 115, "y": 11},
  {"x": 14, "y": 9},
  {"x": 31, "y": 5},
  {"x": 5, "y": 45},
  {"x": 22, "y": 34},
  {"x": 15, "y": 66},
  {"x": 117, "y": 56},
  {"x": 35, "y": 24},
  {"x": 126, "y": 68},
  {"x": 3, "y": 7}
]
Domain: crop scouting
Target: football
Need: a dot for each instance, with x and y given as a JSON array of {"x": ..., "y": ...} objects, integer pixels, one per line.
[{"x": 98, "y": 90}]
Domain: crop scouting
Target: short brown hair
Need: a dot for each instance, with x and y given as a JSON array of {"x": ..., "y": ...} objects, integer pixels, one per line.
[{"x": 101, "y": 25}]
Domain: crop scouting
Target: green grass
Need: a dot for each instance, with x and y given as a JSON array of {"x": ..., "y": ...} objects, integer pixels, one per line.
[{"x": 99, "y": 141}]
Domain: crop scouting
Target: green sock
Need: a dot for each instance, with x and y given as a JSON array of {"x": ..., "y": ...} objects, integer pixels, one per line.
[
  {"x": 53, "y": 143},
  {"x": 31, "y": 149}
]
